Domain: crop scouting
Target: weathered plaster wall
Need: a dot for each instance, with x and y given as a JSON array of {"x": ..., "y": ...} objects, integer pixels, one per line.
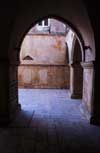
[
  {"x": 44, "y": 49},
  {"x": 57, "y": 26},
  {"x": 43, "y": 76},
  {"x": 48, "y": 67}
]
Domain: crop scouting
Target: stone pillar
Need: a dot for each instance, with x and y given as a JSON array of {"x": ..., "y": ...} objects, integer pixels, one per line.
[
  {"x": 76, "y": 80},
  {"x": 95, "y": 111},
  {"x": 88, "y": 83},
  {"x": 14, "y": 106},
  {"x": 8, "y": 91},
  {"x": 4, "y": 91}
]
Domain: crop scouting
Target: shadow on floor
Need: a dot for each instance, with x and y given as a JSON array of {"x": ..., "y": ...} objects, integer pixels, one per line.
[
  {"x": 29, "y": 134},
  {"x": 57, "y": 127}
]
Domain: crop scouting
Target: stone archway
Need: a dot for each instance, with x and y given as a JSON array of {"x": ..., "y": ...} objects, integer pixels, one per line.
[
  {"x": 48, "y": 48},
  {"x": 70, "y": 15}
]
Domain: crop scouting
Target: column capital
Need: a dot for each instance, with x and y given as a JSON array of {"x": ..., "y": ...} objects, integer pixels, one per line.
[
  {"x": 88, "y": 65},
  {"x": 75, "y": 64}
]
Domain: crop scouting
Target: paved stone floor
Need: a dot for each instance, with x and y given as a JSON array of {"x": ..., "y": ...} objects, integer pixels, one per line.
[{"x": 49, "y": 122}]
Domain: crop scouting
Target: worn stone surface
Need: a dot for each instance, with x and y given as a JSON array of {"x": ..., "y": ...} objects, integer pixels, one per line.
[
  {"x": 76, "y": 81},
  {"x": 50, "y": 122},
  {"x": 88, "y": 87},
  {"x": 47, "y": 67},
  {"x": 43, "y": 76},
  {"x": 44, "y": 49}
]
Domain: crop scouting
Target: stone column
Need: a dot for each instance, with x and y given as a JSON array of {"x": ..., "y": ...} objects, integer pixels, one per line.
[
  {"x": 76, "y": 80},
  {"x": 14, "y": 106},
  {"x": 88, "y": 85},
  {"x": 4, "y": 91},
  {"x": 8, "y": 90},
  {"x": 95, "y": 110}
]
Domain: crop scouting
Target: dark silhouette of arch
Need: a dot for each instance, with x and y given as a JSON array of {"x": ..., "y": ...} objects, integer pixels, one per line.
[{"x": 69, "y": 24}]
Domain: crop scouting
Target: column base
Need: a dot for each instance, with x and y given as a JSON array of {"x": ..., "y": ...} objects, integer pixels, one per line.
[
  {"x": 84, "y": 110},
  {"x": 76, "y": 96},
  {"x": 14, "y": 112},
  {"x": 95, "y": 120}
]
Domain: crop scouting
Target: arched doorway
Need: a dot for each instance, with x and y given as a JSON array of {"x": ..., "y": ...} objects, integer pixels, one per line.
[
  {"x": 76, "y": 72},
  {"x": 62, "y": 49},
  {"x": 16, "y": 22},
  {"x": 84, "y": 38},
  {"x": 44, "y": 47}
]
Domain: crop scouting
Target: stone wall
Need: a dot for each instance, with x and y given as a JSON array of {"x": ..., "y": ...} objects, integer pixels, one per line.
[
  {"x": 43, "y": 62},
  {"x": 55, "y": 26},
  {"x": 43, "y": 76},
  {"x": 44, "y": 49}
]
